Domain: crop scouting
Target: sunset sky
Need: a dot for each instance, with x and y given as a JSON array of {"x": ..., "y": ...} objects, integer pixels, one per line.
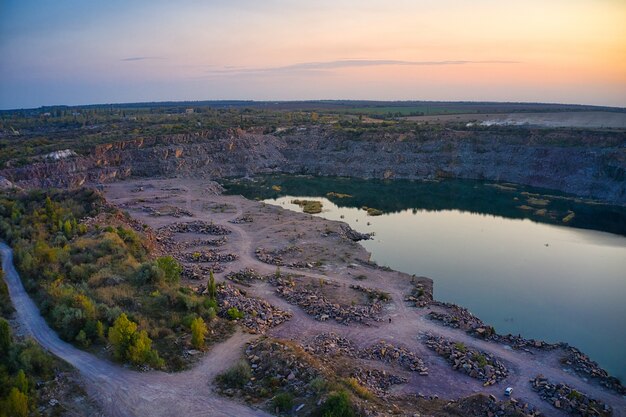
[{"x": 81, "y": 52}]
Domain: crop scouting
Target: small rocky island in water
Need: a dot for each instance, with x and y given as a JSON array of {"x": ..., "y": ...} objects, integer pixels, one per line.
[{"x": 164, "y": 295}]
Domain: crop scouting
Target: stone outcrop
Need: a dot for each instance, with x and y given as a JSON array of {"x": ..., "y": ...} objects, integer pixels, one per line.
[{"x": 588, "y": 164}]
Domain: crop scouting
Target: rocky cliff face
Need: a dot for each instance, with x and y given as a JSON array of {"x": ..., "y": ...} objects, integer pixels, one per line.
[{"x": 581, "y": 163}]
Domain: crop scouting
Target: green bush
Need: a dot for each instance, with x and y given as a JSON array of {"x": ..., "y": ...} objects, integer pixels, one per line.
[
  {"x": 234, "y": 313},
  {"x": 283, "y": 402},
  {"x": 237, "y": 376},
  {"x": 337, "y": 404}
]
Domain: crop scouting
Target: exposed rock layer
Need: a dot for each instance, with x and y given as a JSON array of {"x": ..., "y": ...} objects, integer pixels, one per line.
[{"x": 588, "y": 164}]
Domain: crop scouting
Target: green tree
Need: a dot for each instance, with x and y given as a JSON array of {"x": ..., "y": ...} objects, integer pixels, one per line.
[
  {"x": 21, "y": 382},
  {"x": 5, "y": 337},
  {"x": 141, "y": 352},
  {"x": 122, "y": 336},
  {"x": 67, "y": 229},
  {"x": 17, "y": 404},
  {"x": 211, "y": 288},
  {"x": 171, "y": 268},
  {"x": 198, "y": 332}
]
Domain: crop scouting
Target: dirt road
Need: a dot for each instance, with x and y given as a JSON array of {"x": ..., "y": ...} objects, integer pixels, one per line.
[
  {"x": 127, "y": 393},
  {"x": 122, "y": 392}
]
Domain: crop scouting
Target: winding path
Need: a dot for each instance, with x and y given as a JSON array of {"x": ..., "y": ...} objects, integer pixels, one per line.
[{"x": 122, "y": 392}]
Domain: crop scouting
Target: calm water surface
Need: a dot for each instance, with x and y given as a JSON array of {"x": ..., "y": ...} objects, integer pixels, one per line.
[{"x": 535, "y": 277}]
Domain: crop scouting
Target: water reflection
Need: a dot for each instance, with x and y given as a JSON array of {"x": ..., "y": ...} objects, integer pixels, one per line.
[{"x": 519, "y": 271}]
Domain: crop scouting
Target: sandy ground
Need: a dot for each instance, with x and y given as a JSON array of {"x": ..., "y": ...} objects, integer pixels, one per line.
[
  {"x": 587, "y": 119},
  {"x": 124, "y": 392}
]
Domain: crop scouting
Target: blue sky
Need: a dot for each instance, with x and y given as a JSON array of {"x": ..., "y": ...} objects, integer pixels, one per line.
[{"x": 81, "y": 52}]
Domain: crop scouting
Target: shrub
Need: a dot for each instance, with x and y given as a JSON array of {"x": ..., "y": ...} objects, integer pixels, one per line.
[
  {"x": 171, "y": 268},
  {"x": 237, "y": 376},
  {"x": 283, "y": 402},
  {"x": 337, "y": 404},
  {"x": 234, "y": 313}
]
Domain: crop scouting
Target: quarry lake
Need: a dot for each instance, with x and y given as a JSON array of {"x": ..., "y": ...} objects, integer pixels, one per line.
[{"x": 524, "y": 260}]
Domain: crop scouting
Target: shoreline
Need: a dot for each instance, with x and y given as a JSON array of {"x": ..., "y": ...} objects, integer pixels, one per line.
[{"x": 326, "y": 287}]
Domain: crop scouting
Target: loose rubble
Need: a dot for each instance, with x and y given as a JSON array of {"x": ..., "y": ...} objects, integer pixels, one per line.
[
  {"x": 210, "y": 255},
  {"x": 332, "y": 344},
  {"x": 389, "y": 353},
  {"x": 372, "y": 294},
  {"x": 460, "y": 318},
  {"x": 275, "y": 257},
  {"x": 376, "y": 380},
  {"x": 569, "y": 400},
  {"x": 276, "y": 367},
  {"x": 197, "y": 227},
  {"x": 349, "y": 233},
  {"x": 455, "y": 316},
  {"x": 197, "y": 272},
  {"x": 204, "y": 242},
  {"x": 242, "y": 219},
  {"x": 420, "y": 296},
  {"x": 489, "y": 406},
  {"x": 314, "y": 303},
  {"x": 476, "y": 364},
  {"x": 582, "y": 365},
  {"x": 244, "y": 277},
  {"x": 172, "y": 211},
  {"x": 259, "y": 315}
]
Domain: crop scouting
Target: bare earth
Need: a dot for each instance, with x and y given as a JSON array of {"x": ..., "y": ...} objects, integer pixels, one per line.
[
  {"x": 583, "y": 119},
  {"x": 123, "y": 392}
]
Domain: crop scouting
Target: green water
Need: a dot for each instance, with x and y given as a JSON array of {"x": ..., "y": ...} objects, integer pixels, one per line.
[{"x": 503, "y": 251}]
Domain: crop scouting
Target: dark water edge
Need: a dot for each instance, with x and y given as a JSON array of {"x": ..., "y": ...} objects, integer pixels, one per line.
[{"x": 506, "y": 200}]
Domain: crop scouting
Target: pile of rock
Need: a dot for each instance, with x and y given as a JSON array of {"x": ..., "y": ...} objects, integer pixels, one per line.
[
  {"x": 489, "y": 406},
  {"x": 196, "y": 272},
  {"x": 259, "y": 315},
  {"x": 275, "y": 257},
  {"x": 386, "y": 352},
  {"x": 314, "y": 303},
  {"x": 331, "y": 344},
  {"x": 286, "y": 367},
  {"x": 167, "y": 211},
  {"x": 197, "y": 227},
  {"x": 269, "y": 257},
  {"x": 376, "y": 380},
  {"x": 209, "y": 256},
  {"x": 244, "y": 277},
  {"x": 372, "y": 294},
  {"x": 565, "y": 398},
  {"x": 349, "y": 233},
  {"x": 221, "y": 241},
  {"x": 585, "y": 367},
  {"x": 480, "y": 365},
  {"x": 420, "y": 295},
  {"x": 516, "y": 342},
  {"x": 242, "y": 219},
  {"x": 455, "y": 316}
]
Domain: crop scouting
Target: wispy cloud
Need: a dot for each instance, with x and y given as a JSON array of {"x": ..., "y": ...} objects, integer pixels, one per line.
[
  {"x": 347, "y": 63},
  {"x": 140, "y": 58}
]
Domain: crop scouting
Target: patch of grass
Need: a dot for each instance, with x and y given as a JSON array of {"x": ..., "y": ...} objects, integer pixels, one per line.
[
  {"x": 337, "y": 195},
  {"x": 460, "y": 346},
  {"x": 309, "y": 206},
  {"x": 361, "y": 391}
]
